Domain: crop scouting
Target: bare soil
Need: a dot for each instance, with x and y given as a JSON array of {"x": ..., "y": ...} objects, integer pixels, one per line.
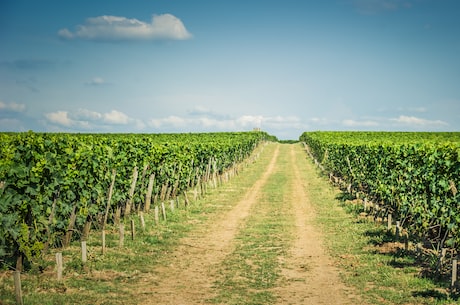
[{"x": 309, "y": 273}]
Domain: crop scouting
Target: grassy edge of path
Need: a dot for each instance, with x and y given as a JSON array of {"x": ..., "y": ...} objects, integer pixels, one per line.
[{"x": 380, "y": 277}]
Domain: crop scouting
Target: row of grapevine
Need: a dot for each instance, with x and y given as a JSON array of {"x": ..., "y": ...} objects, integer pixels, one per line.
[
  {"x": 412, "y": 176},
  {"x": 52, "y": 185}
]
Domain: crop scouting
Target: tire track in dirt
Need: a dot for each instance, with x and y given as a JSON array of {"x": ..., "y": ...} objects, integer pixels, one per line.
[
  {"x": 309, "y": 276},
  {"x": 190, "y": 277}
]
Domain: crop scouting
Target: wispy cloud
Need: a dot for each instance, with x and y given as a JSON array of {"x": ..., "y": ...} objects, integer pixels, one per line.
[
  {"x": 115, "y": 28},
  {"x": 96, "y": 81},
  {"x": 415, "y": 121},
  {"x": 116, "y": 117},
  {"x": 370, "y": 7},
  {"x": 221, "y": 123},
  {"x": 12, "y": 107},
  {"x": 358, "y": 123},
  {"x": 28, "y": 83},
  {"x": 91, "y": 120},
  {"x": 28, "y": 64}
]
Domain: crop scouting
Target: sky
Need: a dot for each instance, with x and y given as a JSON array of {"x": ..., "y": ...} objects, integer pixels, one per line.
[{"x": 285, "y": 66}]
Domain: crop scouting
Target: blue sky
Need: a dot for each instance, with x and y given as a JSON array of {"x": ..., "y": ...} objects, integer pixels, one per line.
[{"x": 204, "y": 65}]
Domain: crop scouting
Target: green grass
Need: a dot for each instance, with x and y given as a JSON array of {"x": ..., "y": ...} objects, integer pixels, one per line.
[{"x": 253, "y": 269}]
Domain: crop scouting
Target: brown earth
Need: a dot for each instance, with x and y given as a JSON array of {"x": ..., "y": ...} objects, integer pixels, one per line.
[{"x": 309, "y": 274}]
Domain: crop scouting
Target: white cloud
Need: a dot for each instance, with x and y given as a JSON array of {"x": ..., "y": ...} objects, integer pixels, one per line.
[
  {"x": 354, "y": 123},
  {"x": 86, "y": 115},
  {"x": 92, "y": 120},
  {"x": 222, "y": 123},
  {"x": 419, "y": 109},
  {"x": 96, "y": 81},
  {"x": 414, "y": 121},
  {"x": 171, "y": 121},
  {"x": 12, "y": 107},
  {"x": 60, "y": 118},
  {"x": 115, "y": 28},
  {"x": 116, "y": 117}
]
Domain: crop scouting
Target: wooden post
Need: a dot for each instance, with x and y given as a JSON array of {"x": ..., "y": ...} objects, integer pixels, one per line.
[
  {"x": 103, "y": 242},
  {"x": 157, "y": 217},
  {"x": 163, "y": 209},
  {"x": 406, "y": 240},
  {"x": 148, "y": 196},
  {"x": 186, "y": 201},
  {"x": 141, "y": 216},
  {"x": 453, "y": 283},
  {"x": 163, "y": 192},
  {"x": 390, "y": 222},
  {"x": 17, "y": 287},
  {"x": 171, "y": 204},
  {"x": 59, "y": 265},
  {"x": 109, "y": 198},
  {"x": 133, "y": 233},
  {"x": 131, "y": 191},
  {"x": 122, "y": 234},
  {"x": 83, "y": 252}
]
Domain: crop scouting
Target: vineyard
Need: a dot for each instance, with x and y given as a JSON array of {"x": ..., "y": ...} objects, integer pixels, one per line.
[
  {"x": 411, "y": 178},
  {"x": 55, "y": 187},
  {"x": 238, "y": 243}
]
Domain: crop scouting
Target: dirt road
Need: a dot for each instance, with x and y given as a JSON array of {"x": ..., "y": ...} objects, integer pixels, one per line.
[{"x": 307, "y": 274}]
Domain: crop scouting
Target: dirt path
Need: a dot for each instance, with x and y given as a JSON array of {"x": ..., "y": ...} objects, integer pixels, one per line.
[
  {"x": 308, "y": 275},
  {"x": 189, "y": 279}
]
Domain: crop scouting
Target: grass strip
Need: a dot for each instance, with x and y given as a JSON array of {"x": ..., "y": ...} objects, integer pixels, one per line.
[{"x": 248, "y": 275}]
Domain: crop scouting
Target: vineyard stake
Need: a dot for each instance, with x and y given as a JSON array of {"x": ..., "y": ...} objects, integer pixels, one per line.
[
  {"x": 148, "y": 196},
  {"x": 17, "y": 287},
  {"x": 133, "y": 233},
  {"x": 129, "y": 202},
  {"x": 157, "y": 217},
  {"x": 141, "y": 216},
  {"x": 186, "y": 201},
  {"x": 103, "y": 241},
  {"x": 453, "y": 284},
  {"x": 122, "y": 234},
  {"x": 83, "y": 252},
  {"x": 59, "y": 265},
  {"x": 163, "y": 210},
  {"x": 389, "y": 222},
  {"x": 109, "y": 197}
]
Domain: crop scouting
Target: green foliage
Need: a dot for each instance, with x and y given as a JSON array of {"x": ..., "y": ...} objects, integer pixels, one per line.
[
  {"x": 414, "y": 176},
  {"x": 44, "y": 177}
]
